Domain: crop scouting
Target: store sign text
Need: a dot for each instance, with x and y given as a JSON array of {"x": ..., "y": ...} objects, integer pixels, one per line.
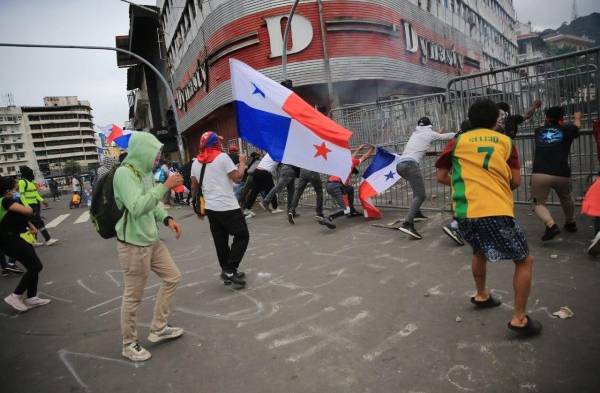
[
  {"x": 430, "y": 50},
  {"x": 198, "y": 80},
  {"x": 301, "y": 34}
]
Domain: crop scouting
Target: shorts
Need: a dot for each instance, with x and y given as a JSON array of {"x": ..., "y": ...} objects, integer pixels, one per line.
[{"x": 497, "y": 237}]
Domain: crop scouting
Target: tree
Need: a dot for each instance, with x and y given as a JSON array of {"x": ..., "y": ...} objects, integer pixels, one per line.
[{"x": 72, "y": 168}]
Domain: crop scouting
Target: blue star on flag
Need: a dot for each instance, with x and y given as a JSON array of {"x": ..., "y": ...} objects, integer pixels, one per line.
[
  {"x": 258, "y": 91},
  {"x": 389, "y": 176}
]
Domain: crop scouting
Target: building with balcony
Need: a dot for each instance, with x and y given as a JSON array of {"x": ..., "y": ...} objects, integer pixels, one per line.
[
  {"x": 16, "y": 148},
  {"x": 60, "y": 131}
]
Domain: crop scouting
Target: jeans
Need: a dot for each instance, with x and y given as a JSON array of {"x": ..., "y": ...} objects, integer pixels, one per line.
[
  {"x": 314, "y": 179},
  {"x": 136, "y": 263},
  {"x": 287, "y": 175},
  {"x": 261, "y": 181},
  {"x": 17, "y": 248},
  {"x": 411, "y": 172},
  {"x": 337, "y": 191},
  {"x": 222, "y": 225}
]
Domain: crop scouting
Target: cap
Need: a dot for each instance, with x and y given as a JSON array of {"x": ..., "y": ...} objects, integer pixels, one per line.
[
  {"x": 233, "y": 149},
  {"x": 424, "y": 121}
]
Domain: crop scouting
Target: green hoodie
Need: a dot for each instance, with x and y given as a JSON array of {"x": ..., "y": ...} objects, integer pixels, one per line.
[{"x": 140, "y": 196}]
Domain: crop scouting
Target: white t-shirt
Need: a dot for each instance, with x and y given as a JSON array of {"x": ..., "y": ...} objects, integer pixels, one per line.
[
  {"x": 76, "y": 185},
  {"x": 217, "y": 186},
  {"x": 267, "y": 164}
]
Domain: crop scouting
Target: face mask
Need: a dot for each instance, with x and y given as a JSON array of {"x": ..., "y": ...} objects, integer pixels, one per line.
[{"x": 16, "y": 195}]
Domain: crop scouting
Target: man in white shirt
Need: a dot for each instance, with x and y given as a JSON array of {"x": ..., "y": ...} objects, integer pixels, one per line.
[
  {"x": 263, "y": 181},
  {"x": 222, "y": 208},
  {"x": 419, "y": 142}
]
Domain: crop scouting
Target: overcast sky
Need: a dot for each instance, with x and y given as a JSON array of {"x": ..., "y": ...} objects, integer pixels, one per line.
[{"x": 31, "y": 74}]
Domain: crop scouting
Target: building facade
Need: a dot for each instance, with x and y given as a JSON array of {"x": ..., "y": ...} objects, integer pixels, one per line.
[
  {"x": 362, "y": 50},
  {"x": 16, "y": 148},
  {"x": 61, "y": 131}
]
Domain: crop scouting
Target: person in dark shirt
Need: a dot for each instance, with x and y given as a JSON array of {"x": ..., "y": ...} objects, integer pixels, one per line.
[
  {"x": 551, "y": 169},
  {"x": 508, "y": 124},
  {"x": 17, "y": 234}
]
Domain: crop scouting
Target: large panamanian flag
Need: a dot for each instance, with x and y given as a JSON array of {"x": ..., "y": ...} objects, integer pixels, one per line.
[
  {"x": 378, "y": 177},
  {"x": 277, "y": 120},
  {"x": 117, "y": 135}
]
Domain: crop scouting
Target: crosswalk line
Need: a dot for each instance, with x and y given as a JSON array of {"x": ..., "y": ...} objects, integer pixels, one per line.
[
  {"x": 56, "y": 222},
  {"x": 83, "y": 217}
]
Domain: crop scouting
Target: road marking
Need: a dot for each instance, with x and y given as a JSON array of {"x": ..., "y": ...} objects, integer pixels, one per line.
[
  {"x": 56, "y": 222},
  {"x": 263, "y": 335},
  {"x": 60, "y": 299},
  {"x": 390, "y": 342},
  {"x": 83, "y": 217},
  {"x": 81, "y": 284}
]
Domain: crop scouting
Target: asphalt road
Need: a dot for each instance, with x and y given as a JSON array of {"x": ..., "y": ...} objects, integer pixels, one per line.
[{"x": 359, "y": 309}]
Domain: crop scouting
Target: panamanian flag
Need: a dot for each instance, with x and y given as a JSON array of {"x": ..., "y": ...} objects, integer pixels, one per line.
[
  {"x": 277, "y": 120},
  {"x": 378, "y": 177},
  {"x": 117, "y": 135}
]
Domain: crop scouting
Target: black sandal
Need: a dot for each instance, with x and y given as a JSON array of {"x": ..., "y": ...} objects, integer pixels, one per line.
[
  {"x": 488, "y": 303},
  {"x": 531, "y": 328}
]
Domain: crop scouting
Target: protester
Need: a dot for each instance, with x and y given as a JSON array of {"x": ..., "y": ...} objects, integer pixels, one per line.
[
  {"x": 287, "y": 176},
  {"x": 262, "y": 181},
  {"x": 485, "y": 169},
  {"x": 509, "y": 124},
  {"x": 53, "y": 184},
  {"x": 338, "y": 190},
  {"x": 222, "y": 209},
  {"x": 314, "y": 179},
  {"x": 16, "y": 236},
  {"x": 76, "y": 185},
  {"x": 186, "y": 172},
  {"x": 108, "y": 163},
  {"x": 248, "y": 182},
  {"x": 30, "y": 197},
  {"x": 139, "y": 247},
  {"x": 551, "y": 170},
  {"x": 409, "y": 168}
]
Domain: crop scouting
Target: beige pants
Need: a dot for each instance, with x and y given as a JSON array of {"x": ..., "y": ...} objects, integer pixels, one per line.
[
  {"x": 136, "y": 263},
  {"x": 541, "y": 185}
]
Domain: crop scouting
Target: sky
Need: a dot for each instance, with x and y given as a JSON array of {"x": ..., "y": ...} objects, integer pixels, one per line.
[{"x": 31, "y": 74}]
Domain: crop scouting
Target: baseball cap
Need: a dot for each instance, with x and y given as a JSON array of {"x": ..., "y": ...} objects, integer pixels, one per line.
[{"x": 424, "y": 121}]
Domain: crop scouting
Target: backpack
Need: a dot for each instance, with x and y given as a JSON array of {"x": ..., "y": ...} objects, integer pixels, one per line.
[{"x": 104, "y": 211}]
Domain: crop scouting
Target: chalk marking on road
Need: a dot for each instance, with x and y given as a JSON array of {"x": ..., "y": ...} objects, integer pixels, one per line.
[
  {"x": 63, "y": 354},
  {"x": 374, "y": 266},
  {"x": 385, "y": 280},
  {"x": 435, "y": 290},
  {"x": 412, "y": 284},
  {"x": 49, "y": 283},
  {"x": 235, "y": 316},
  {"x": 388, "y": 256},
  {"x": 60, "y": 299},
  {"x": 351, "y": 301},
  {"x": 433, "y": 245},
  {"x": 269, "y": 333},
  {"x": 456, "y": 251},
  {"x": 81, "y": 284},
  {"x": 412, "y": 265},
  {"x": 84, "y": 217},
  {"x": 346, "y": 324},
  {"x": 390, "y": 342},
  {"x": 112, "y": 278},
  {"x": 104, "y": 303},
  {"x": 150, "y": 297},
  {"x": 460, "y": 368},
  {"x": 56, "y": 222},
  {"x": 267, "y": 255},
  {"x": 278, "y": 304}
]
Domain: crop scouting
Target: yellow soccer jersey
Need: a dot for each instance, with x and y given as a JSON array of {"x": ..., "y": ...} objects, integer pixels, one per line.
[{"x": 480, "y": 162}]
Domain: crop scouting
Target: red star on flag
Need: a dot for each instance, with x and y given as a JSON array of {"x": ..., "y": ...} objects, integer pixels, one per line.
[{"x": 322, "y": 150}]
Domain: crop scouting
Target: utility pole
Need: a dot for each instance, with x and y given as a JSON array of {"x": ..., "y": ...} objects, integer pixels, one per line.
[{"x": 574, "y": 13}]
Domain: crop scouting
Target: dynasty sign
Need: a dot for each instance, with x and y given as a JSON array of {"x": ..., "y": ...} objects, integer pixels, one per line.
[
  {"x": 430, "y": 50},
  {"x": 198, "y": 80}
]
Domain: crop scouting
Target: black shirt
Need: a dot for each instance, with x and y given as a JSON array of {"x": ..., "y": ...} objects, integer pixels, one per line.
[
  {"x": 552, "y": 148},
  {"x": 13, "y": 222},
  {"x": 511, "y": 126}
]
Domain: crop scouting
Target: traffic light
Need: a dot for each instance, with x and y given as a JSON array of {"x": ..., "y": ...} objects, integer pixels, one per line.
[{"x": 171, "y": 124}]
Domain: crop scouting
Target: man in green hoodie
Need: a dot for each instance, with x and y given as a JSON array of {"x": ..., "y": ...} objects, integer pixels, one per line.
[{"x": 139, "y": 248}]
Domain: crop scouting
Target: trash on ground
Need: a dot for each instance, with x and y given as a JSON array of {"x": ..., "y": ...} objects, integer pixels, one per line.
[
  {"x": 458, "y": 319},
  {"x": 564, "y": 313},
  {"x": 553, "y": 256}
]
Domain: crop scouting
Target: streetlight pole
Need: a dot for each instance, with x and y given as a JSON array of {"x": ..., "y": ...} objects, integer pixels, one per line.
[
  {"x": 286, "y": 33},
  {"x": 140, "y": 58}
]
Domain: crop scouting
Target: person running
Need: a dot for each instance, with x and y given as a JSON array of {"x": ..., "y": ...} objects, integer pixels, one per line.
[
  {"x": 248, "y": 182},
  {"x": 408, "y": 168},
  {"x": 287, "y": 177},
  {"x": 262, "y": 181},
  {"x": 30, "y": 197},
  {"x": 509, "y": 124},
  {"x": 314, "y": 178},
  {"x": 16, "y": 238},
  {"x": 482, "y": 166},
  {"x": 343, "y": 192},
  {"x": 222, "y": 208},
  {"x": 139, "y": 248},
  {"x": 551, "y": 170}
]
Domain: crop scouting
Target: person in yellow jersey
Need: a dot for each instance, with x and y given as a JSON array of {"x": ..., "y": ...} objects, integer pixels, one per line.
[
  {"x": 482, "y": 166},
  {"x": 30, "y": 197}
]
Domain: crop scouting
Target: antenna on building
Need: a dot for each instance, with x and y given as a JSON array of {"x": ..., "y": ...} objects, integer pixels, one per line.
[
  {"x": 8, "y": 99},
  {"x": 574, "y": 13}
]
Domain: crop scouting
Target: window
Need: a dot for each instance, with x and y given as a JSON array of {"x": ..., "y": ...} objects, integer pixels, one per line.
[
  {"x": 1, "y": 170},
  {"x": 10, "y": 169}
]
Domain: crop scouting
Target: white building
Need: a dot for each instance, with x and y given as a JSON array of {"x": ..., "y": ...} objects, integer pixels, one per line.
[{"x": 16, "y": 148}]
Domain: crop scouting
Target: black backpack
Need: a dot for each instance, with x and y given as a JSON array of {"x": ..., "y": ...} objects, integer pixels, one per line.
[{"x": 104, "y": 211}]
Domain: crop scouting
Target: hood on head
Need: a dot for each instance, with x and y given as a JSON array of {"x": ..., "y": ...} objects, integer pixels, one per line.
[{"x": 142, "y": 151}]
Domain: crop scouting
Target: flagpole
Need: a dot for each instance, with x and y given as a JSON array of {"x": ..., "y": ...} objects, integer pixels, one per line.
[
  {"x": 286, "y": 33},
  {"x": 170, "y": 95}
]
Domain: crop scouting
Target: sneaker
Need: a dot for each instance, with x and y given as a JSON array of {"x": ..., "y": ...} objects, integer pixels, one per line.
[
  {"x": 290, "y": 216},
  {"x": 278, "y": 210},
  {"x": 249, "y": 214},
  {"x": 264, "y": 206},
  {"x": 166, "y": 333},
  {"x": 410, "y": 230},
  {"x": 550, "y": 232},
  {"x": 327, "y": 221},
  {"x": 454, "y": 235},
  {"x": 571, "y": 227},
  {"x": 4, "y": 273},
  {"x": 16, "y": 302},
  {"x": 594, "y": 248},
  {"x": 135, "y": 352},
  {"x": 353, "y": 213},
  {"x": 233, "y": 279},
  {"x": 420, "y": 217},
  {"x": 14, "y": 269},
  {"x": 51, "y": 242},
  {"x": 38, "y": 244},
  {"x": 35, "y": 301}
]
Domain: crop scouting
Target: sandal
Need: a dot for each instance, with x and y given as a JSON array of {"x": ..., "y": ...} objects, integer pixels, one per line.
[
  {"x": 531, "y": 328},
  {"x": 489, "y": 303}
]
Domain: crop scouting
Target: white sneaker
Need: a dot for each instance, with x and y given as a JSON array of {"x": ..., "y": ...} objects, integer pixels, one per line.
[
  {"x": 51, "y": 242},
  {"x": 278, "y": 210},
  {"x": 135, "y": 352},
  {"x": 167, "y": 333},
  {"x": 16, "y": 302},
  {"x": 35, "y": 301},
  {"x": 249, "y": 214},
  {"x": 38, "y": 244}
]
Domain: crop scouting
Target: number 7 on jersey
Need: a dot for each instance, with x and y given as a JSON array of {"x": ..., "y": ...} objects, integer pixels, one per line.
[{"x": 488, "y": 150}]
